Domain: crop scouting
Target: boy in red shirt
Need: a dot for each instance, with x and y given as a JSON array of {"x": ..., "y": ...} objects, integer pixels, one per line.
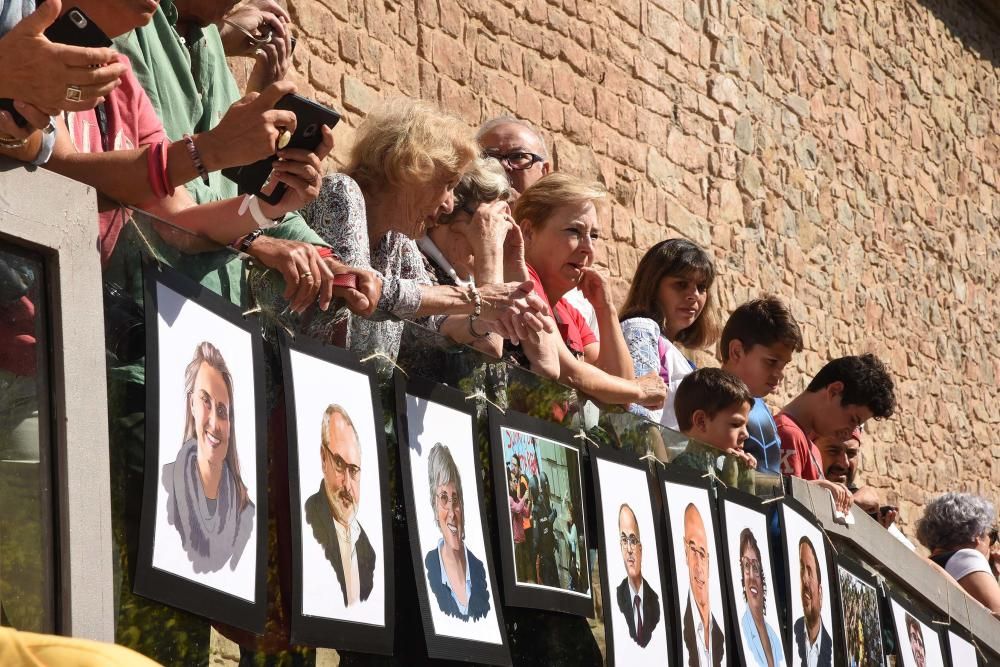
[{"x": 845, "y": 394}]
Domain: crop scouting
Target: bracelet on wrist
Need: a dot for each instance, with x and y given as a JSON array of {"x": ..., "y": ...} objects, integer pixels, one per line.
[
  {"x": 243, "y": 243},
  {"x": 477, "y": 301},
  {"x": 195, "y": 156},
  {"x": 472, "y": 329}
]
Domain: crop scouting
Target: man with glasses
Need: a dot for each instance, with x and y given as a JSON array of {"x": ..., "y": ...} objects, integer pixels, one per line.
[
  {"x": 332, "y": 512},
  {"x": 704, "y": 640},
  {"x": 519, "y": 149},
  {"x": 637, "y": 600}
]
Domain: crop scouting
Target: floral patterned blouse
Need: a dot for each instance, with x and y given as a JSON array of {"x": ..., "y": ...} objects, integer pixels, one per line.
[{"x": 338, "y": 216}]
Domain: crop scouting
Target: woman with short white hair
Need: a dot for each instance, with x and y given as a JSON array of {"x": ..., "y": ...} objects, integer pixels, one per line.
[{"x": 959, "y": 529}]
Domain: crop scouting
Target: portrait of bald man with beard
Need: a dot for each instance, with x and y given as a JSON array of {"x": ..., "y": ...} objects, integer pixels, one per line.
[{"x": 333, "y": 510}]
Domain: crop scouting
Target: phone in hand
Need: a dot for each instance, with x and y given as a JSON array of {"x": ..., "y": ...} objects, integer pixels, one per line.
[
  {"x": 256, "y": 178},
  {"x": 73, "y": 28}
]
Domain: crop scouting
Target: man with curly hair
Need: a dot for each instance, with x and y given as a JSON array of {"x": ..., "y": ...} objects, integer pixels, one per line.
[{"x": 845, "y": 394}]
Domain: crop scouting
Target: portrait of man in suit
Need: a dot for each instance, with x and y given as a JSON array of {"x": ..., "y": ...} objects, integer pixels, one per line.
[
  {"x": 637, "y": 601},
  {"x": 704, "y": 639},
  {"x": 812, "y": 641},
  {"x": 332, "y": 511}
]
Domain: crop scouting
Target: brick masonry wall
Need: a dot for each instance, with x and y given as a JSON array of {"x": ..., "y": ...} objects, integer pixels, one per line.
[{"x": 843, "y": 155}]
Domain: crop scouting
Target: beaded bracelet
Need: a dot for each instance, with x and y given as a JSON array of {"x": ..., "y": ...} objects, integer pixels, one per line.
[{"x": 196, "y": 158}]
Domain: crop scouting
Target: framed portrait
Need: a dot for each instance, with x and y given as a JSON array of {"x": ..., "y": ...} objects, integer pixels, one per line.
[
  {"x": 637, "y": 622},
  {"x": 809, "y": 588},
  {"x": 861, "y": 618},
  {"x": 918, "y": 642},
  {"x": 537, "y": 478},
  {"x": 446, "y": 519},
  {"x": 749, "y": 568},
  {"x": 202, "y": 538},
  {"x": 961, "y": 651},
  {"x": 342, "y": 592},
  {"x": 695, "y": 561}
]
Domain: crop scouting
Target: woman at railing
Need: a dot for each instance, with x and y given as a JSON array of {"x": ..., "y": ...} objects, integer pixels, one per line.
[
  {"x": 560, "y": 219},
  {"x": 959, "y": 529},
  {"x": 404, "y": 165}
]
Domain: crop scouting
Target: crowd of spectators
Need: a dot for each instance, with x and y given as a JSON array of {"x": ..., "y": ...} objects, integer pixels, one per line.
[{"x": 473, "y": 234}]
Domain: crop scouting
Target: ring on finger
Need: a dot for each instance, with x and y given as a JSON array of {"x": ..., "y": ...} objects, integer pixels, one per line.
[
  {"x": 74, "y": 93},
  {"x": 306, "y": 274}
]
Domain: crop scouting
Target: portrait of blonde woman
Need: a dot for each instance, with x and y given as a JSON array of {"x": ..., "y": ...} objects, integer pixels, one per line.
[{"x": 207, "y": 500}]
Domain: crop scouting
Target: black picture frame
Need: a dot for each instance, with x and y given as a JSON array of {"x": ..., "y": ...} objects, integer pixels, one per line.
[
  {"x": 313, "y": 629},
  {"x": 851, "y": 572},
  {"x": 794, "y": 518},
  {"x": 625, "y": 462},
  {"x": 440, "y": 645},
  {"x": 159, "y": 584},
  {"x": 934, "y": 640},
  {"x": 695, "y": 479},
  {"x": 529, "y": 594},
  {"x": 728, "y": 499}
]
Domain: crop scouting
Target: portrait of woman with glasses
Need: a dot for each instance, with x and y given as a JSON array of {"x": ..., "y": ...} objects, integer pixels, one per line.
[
  {"x": 454, "y": 574},
  {"x": 758, "y": 635}
]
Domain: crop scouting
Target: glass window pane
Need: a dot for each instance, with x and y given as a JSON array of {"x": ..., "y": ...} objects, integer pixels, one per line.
[{"x": 27, "y": 595}]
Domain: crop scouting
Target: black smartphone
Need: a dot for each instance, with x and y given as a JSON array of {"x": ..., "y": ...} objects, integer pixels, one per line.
[
  {"x": 310, "y": 116},
  {"x": 73, "y": 28}
]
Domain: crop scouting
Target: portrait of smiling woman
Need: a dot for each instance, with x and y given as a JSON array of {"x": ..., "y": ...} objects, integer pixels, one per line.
[
  {"x": 207, "y": 501},
  {"x": 455, "y": 576}
]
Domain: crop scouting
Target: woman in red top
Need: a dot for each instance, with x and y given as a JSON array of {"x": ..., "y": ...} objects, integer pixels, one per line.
[{"x": 559, "y": 217}]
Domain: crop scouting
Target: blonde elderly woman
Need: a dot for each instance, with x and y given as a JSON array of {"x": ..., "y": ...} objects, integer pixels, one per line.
[
  {"x": 560, "y": 220},
  {"x": 405, "y": 163}
]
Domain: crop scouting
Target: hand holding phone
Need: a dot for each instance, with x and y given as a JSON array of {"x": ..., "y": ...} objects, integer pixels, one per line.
[
  {"x": 70, "y": 69},
  {"x": 310, "y": 117}
]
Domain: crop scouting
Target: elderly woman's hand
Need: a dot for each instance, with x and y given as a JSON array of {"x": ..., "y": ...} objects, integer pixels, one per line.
[
  {"x": 362, "y": 299},
  {"x": 594, "y": 286},
  {"x": 487, "y": 227},
  {"x": 652, "y": 391},
  {"x": 502, "y": 301}
]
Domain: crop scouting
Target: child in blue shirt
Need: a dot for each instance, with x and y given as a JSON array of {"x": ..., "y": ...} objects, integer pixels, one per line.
[{"x": 757, "y": 343}]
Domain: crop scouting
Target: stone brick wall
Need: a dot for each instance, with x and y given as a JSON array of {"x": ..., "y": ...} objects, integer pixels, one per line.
[{"x": 842, "y": 154}]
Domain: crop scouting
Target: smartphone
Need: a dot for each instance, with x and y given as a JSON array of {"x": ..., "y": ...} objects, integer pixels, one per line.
[
  {"x": 310, "y": 116},
  {"x": 73, "y": 28}
]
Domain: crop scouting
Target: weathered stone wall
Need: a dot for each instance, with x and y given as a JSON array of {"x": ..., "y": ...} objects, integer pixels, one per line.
[{"x": 842, "y": 154}]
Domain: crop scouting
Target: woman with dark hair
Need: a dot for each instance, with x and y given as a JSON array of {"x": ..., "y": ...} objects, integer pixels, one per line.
[
  {"x": 669, "y": 302},
  {"x": 455, "y": 576},
  {"x": 765, "y": 646},
  {"x": 207, "y": 501},
  {"x": 958, "y": 528}
]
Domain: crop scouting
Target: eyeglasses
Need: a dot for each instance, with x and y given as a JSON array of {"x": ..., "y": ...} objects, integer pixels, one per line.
[
  {"x": 629, "y": 541},
  {"x": 702, "y": 554},
  {"x": 454, "y": 501},
  {"x": 751, "y": 567},
  {"x": 517, "y": 160},
  {"x": 342, "y": 466}
]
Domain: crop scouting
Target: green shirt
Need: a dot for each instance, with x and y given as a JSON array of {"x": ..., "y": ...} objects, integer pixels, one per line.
[{"x": 189, "y": 84}]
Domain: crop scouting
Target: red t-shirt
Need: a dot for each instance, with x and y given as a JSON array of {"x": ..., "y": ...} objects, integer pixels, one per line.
[
  {"x": 573, "y": 327},
  {"x": 800, "y": 456},
  {"x": 132, "y": 122}
]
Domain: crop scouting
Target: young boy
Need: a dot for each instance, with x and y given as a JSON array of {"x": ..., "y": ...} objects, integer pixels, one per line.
[
  {"x": 845, "y": 394},
  {"x": 712, "y": 407},
  {"x": 757, "y": 343}
]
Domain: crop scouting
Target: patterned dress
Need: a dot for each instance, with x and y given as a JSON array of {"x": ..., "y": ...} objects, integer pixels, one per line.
[{"x": 338, "y": 215}]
